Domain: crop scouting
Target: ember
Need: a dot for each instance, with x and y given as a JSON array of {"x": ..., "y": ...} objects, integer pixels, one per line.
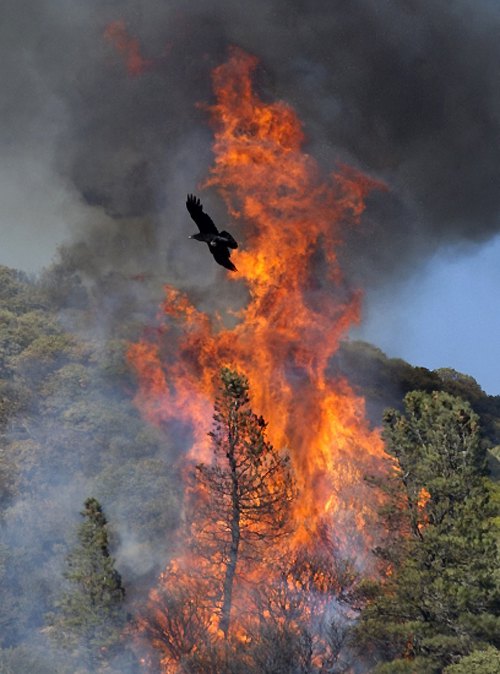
[{"x": 128, "y": 47}]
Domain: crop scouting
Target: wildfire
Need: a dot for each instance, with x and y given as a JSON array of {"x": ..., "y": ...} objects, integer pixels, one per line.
[
  {"x": 299, "y": 309},
  {"x": 294, "y": 320}
]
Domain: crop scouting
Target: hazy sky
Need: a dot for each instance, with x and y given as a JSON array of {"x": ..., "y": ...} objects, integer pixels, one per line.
[
  {"x": 405, "y": 91},
  {"x": 34, "y": 213},
  {"x": 447, "y": 315}
]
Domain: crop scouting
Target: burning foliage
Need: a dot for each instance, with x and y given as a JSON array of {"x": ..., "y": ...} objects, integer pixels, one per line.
[{"x": 237, "y": 585}]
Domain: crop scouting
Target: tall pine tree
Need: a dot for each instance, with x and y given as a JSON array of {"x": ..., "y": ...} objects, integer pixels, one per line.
[
  {"x": 89, "y": 617},
  {"x": 238, "y": 508},
  {"x": 249, "y": 484},
  {"x": 439, "y": 600}
]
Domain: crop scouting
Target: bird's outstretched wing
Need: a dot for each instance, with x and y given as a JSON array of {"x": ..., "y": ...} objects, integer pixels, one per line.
[
  {"x": 204, "y": 221},
  {"x": 222, "y": 256}
]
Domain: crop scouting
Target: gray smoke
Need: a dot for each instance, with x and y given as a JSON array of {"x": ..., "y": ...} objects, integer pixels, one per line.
[{"x": 404, "y": 90}]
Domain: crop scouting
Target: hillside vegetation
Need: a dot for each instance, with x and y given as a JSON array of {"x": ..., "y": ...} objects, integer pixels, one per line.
[{"x": 69, "y": 431}]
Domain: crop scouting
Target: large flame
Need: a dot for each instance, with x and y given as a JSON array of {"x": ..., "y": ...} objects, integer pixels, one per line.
[{"x": 298, "y": 311}]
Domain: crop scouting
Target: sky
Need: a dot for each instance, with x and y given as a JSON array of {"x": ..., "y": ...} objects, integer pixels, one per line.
[
  {"x": 35, "y": 213},
  {"x": 102, "y": 141},
  {"x": 447, "y": 315}
]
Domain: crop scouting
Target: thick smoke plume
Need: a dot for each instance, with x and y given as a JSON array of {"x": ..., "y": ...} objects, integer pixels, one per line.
[{"x": 406, "y": 91}]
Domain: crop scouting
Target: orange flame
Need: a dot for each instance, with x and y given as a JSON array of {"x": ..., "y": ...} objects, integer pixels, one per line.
[
  {"x": 423, "y": 498},
  {"x": 128, "y": 47},
  {"x": 298, "y": 310}
]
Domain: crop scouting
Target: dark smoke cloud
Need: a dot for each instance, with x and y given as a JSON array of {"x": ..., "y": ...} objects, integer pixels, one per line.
[{"x": 405, "y": 90}]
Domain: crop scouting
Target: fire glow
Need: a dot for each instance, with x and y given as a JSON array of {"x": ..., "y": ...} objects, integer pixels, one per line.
[
  {"x": 285, "y": 337},
  {"x": 128, "y": 47},
  {"x": 293, "y": 322}
]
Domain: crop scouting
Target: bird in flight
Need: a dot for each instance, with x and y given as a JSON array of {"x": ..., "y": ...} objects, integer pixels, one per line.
[{"x": 218, "y": 243}]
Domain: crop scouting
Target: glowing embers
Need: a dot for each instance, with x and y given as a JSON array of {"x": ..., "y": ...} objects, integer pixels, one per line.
[{"x": 423, "y": 499}]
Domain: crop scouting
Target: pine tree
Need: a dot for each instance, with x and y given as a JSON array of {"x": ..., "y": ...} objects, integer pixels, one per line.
[
  {"x": 478, "y": 662},
  {"x": 89, "y": 617},
  {"x": 439, "y": 600},
  {"x": 238, "y": 507},
  {"x": 248, "y": 484}
]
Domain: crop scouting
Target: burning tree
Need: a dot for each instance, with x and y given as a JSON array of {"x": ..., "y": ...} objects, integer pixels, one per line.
[
  {"x": 299, "y": 309},
  {"x": 245, "y": 492},
  {"x": 238, "y": 507},
  {"x": 241, "y": 596}
]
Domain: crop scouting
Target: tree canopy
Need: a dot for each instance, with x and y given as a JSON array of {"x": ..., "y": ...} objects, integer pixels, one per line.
[
  {"x": 439, "y": 598},
  {"x": 89, "y": 617}
]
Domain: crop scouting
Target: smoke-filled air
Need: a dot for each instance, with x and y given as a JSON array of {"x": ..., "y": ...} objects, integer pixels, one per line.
[{"x": 200, "y": 472}]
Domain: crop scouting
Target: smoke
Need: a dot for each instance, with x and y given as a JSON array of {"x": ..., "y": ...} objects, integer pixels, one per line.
[{"x": 406, "y": 91}]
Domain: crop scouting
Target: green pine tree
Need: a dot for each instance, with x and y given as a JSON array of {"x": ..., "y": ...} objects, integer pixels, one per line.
[
  {"x": 478, "y": 662},
  {"x": 439, "y": 600},
  {"x": 89, "y": 617}
]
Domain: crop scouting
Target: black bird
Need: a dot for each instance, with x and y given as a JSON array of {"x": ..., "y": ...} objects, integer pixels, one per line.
[{"x": 218, "y": 243}]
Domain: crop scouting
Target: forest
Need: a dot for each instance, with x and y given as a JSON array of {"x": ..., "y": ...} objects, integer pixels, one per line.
[{"x": 118, "y": 555}]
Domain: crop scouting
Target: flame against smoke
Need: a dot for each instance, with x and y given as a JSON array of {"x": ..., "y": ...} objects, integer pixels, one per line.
[
  {"x": 128, "y": 47},
  {"x": 297, "y": 312}
]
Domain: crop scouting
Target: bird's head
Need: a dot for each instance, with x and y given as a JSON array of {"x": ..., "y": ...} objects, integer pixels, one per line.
[{"x": 199, "y": 236}]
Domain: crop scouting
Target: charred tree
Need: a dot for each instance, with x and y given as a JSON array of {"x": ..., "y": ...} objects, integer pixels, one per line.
[
  {"x": 175, "y": 620},
  {"x": 243, "y": 496}
]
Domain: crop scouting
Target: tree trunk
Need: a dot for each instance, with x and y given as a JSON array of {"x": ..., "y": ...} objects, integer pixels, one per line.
[{"x": 235, "y": 542}]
